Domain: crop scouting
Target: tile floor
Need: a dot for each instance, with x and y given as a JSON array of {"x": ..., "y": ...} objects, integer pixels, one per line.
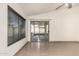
[{"x": 50, "y": 49}]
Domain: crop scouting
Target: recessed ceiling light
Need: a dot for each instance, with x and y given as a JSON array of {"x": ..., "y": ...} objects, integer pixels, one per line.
[{"x": 66, "y": 4}]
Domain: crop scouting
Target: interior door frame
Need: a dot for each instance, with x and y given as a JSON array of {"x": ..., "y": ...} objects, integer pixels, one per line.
[{"x": 48, "y": 30}]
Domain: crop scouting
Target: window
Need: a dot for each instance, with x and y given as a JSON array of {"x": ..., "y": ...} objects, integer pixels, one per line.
[{"x": 16, "y": 26}]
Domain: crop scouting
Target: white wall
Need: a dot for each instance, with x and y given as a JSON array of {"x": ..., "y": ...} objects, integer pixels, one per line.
[
  {"x": 28, "y": 30},
  {"x": 3, "y": 29},
  {"x": 12, "y": 49},
  {"x": 64, "y": 24}
]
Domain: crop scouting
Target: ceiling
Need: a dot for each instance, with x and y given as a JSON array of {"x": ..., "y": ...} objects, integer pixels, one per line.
[{"x": 38, "y": 8}]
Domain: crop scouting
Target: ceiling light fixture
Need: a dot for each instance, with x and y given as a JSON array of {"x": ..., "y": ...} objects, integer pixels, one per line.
[{"x": 66, "y": 4}]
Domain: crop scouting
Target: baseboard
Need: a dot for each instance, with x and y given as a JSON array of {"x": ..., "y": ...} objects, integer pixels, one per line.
[
  {"x": 64, "y": 41},
  {"x": 21, "y": 48}
]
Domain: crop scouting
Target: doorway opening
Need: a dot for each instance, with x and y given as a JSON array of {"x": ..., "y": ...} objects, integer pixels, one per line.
[{"x": 39, "y": 31}]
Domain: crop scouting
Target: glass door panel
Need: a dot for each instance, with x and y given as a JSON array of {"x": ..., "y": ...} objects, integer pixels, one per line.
[
  {"x": 39, "y": 30},
  {"x": 36, "y": 31},
  {"x": 36, "y": 28}
]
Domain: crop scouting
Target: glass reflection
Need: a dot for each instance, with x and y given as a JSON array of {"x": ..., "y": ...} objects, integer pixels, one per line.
[
  {"x": 16, "y": 27},
  {"x": 39, "y": 29}
]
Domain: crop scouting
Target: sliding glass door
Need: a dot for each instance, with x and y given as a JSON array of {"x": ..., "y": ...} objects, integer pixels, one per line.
[{"x": 39, "y": 31}]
